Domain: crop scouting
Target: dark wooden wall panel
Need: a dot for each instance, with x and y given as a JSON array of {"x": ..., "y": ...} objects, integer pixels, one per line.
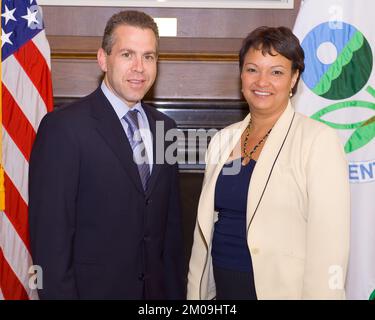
[
  {"x": 208, "y": 23},
  {"x": 200, "y": 63},
  {"x": 197, "y": 80},
  {"x": 176, "y": 79},
  {"x": 74, "y": 78},
  {"x": 88, "y": 45}
]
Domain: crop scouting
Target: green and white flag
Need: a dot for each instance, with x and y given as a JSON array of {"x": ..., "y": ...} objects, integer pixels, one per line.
[{"x": 338, "y": 88}]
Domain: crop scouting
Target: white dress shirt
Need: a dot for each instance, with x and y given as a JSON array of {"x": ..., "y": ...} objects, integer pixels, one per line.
[{"x": 121, "y": 109}]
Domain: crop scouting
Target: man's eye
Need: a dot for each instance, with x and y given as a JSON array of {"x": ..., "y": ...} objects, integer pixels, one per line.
[
  {"x": 149, "y": 58},
  {"x": 126, "y": 54}
]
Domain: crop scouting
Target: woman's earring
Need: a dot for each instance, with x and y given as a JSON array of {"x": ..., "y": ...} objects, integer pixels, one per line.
[{"x": 290, "y": 93}]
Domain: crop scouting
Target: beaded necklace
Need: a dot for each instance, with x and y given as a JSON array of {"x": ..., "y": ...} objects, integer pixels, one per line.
[{"x": 249, "y": 155}]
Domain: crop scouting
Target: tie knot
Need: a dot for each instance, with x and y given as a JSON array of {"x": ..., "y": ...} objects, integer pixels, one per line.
[{"x": 132, "y": 118}]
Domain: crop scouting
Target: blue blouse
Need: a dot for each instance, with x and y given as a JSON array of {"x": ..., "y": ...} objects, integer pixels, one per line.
[{"x": 229, "y": 246}]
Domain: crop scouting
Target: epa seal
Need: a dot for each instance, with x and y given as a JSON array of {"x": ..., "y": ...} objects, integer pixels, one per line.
[
  {"x": 339, "y": 65},
  {"x": 328, "y": 77}
]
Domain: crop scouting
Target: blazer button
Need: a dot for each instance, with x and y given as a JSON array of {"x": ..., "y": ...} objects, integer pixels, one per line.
[
  {"x": 141, "y": 276},
  {"x": 148, "y": 201}
]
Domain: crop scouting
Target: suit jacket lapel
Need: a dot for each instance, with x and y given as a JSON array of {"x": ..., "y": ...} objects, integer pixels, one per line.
[
  {"x": 109, "y": 127},
  {"x": 266, "y": 160}
]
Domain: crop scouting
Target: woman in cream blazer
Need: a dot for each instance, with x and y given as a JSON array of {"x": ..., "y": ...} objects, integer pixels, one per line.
[{"x": 297, "y": 217}]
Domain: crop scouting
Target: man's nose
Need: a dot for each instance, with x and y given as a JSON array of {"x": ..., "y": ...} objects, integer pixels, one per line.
[{"x": 138, "y": 64}]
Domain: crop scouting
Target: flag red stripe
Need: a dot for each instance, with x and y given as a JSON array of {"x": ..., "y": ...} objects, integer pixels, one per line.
[
  {"x": 19, "y": 128},
  {"x": 26, "y": 96},
  {"x": 36, "y": 67},
  {"x": 16, "y": 211},
  {"x": 11, "y": 287}
]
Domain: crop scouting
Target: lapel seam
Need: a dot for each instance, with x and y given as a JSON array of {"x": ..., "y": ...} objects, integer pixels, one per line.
[{"x": 269, "y": 175}]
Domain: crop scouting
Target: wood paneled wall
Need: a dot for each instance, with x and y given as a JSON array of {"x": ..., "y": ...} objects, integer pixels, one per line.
[
  {"x": 200, "y": 63},
  {"x": 192, "y": 23}
]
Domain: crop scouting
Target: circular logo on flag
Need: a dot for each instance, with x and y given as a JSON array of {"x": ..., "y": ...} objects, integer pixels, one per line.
[{"x": 334, "y": 55}]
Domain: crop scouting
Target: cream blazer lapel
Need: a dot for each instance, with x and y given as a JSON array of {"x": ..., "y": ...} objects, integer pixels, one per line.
[
  {"x": 218, "y": 153},
  {"x": 266, "y": 161}
]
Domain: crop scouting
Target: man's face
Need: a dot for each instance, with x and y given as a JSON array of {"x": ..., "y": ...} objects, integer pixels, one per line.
[{"x": 131, "y": 67}]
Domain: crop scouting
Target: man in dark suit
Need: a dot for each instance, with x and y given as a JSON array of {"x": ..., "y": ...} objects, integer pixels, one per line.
[{"x": 104, "y": 216}]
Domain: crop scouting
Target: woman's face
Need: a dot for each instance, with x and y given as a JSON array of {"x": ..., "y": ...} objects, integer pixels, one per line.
[{"x": 267, "y": 81}]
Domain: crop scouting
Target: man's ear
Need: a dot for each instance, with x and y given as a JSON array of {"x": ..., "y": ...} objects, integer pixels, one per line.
[{"x": 102, "y": 59}]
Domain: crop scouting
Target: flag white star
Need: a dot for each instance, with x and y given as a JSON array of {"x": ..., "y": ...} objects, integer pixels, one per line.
[
  {"x": 8, "y": 15},
  {"x": 5, "y": 37},
  {"x": 30, "y": 17}
]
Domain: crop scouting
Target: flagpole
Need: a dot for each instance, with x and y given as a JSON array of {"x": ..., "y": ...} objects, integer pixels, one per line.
[{"x": 2, "y": 187}]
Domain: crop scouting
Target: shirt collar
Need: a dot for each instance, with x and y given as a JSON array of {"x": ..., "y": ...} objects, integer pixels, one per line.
[{"x": 120, "y": 107}]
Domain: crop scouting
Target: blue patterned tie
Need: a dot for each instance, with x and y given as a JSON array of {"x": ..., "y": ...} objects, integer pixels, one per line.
[{"x": 139, "y": 150}]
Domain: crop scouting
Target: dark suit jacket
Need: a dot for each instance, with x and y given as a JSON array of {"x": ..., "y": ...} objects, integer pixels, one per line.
[{"x": 93, "y": 230}]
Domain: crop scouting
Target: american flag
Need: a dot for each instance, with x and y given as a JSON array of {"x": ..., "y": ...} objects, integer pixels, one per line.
[{"x": 26, "y": 97}]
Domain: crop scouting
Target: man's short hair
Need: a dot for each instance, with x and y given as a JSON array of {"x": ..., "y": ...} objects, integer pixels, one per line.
[{"x": 131, "y": 18}]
